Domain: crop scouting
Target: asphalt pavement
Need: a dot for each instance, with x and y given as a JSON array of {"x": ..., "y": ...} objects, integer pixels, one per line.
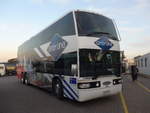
[
  {"x": 19, "y": 98},
  {"x": 136, "y": 97}
]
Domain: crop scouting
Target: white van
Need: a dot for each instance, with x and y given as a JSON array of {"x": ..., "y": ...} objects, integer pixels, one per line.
[{"x": 2, "y": 70}]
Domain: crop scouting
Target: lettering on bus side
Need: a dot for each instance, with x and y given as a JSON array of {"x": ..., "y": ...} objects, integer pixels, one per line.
[{"x": 57, "y": 46}]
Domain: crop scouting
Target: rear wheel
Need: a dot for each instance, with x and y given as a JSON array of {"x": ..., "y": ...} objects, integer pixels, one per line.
[{"x": 58, "y": 89}]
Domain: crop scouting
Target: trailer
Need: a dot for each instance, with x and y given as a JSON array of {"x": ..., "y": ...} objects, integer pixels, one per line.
[{"x": 78, "y": 57}]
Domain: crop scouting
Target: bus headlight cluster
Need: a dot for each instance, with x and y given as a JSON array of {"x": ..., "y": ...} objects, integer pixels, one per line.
[
  {"x": 84, "y": 85},
  {"x": 117, "y": 81},
  {"x": 88, "y": 85}
]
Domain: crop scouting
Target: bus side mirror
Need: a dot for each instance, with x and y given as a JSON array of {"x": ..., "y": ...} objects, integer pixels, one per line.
[{"x": 74, "y": 69}]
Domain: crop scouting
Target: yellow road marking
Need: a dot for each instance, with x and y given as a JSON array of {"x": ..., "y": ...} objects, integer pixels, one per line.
[
  {"x": 142, "y": 86},
  {"x": 123, "y": 103}
]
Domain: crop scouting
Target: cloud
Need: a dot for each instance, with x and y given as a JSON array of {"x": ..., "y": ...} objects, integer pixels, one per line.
[
  {"x": 51, "y": 1},
  {"x": 17, "y": 31},
  {"x": 103, "y": 11},
  {"x": 132, "y": 30},
  {"x": 143, "y": 4},
  {"x": 113, "y": 12},
  {"x": 140, "y": 7},
  {"x": 89, "y": 1},
  {"x": 138, "y": 48},
  {"x": 134, "y": 35},
  {"x": 12, "y": 36},
  {"x": 143, "y": 43},
  {"x": 135, "y": 40},
  {"x": 38, "y": 1}
]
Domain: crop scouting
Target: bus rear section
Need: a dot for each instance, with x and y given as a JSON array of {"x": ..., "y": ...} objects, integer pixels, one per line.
[
  {"x": 78, "y": 57},
  {"x": 2, "y": 70}
]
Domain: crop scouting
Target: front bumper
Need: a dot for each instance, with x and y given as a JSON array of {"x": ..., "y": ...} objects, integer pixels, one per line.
[{"x": 88, "y": 94}]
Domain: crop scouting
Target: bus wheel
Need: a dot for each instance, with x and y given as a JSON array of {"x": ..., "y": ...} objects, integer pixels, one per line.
[{"x": 58, "y": 89}]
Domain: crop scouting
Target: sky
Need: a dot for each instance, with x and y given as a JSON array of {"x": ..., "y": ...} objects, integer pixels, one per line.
[{"x": 22, "y": 19}]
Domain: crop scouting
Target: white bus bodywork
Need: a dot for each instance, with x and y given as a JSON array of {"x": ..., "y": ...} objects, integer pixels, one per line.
[{"x": 75, "y": 87}]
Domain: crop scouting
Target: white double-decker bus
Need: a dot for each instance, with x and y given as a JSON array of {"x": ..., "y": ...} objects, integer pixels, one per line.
[{"x": 78, "y": 57}]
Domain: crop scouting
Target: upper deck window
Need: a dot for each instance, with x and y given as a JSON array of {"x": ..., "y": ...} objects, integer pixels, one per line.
[
  {"x": 64, "y": 26},
  {"x": 90, "y": 24}
]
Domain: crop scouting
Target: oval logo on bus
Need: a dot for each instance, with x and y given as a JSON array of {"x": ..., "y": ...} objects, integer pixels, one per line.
[{"x": 106, "y": 83}]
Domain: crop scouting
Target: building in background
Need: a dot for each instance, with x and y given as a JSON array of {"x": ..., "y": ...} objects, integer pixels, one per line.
[{"x": 143, "y": 64}]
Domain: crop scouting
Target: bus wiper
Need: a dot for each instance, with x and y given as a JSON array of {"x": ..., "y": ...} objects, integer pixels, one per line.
[{"x": 96, "y": 32}]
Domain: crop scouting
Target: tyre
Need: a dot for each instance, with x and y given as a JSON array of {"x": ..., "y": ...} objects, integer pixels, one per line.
[{"x": 58, "y": 89}]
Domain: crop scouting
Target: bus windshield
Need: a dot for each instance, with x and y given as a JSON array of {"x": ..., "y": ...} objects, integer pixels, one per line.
[
  {"x": 90, "y": 24},
  {"x": 97, "y": 62}
]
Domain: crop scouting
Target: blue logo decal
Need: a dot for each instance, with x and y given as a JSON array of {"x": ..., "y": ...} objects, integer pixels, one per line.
[
  {"x": 73, "y": 81},
  {"x": 57, "y": 46},
  {"x": 104, "y": 43}
]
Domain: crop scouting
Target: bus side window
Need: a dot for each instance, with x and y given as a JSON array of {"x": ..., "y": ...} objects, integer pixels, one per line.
[
  {"x": 59, "y": 66},
  {"x": 63, "y": 65},
  {"x": 39, "y": 66},
  {"x": 69, "y": 59},
  {"x": 50, "y": 67}
]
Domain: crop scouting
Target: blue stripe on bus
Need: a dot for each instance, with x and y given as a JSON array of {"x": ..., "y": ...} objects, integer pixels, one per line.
[
  {"x": 69, "y": 93},
  {"x": 70, "y": 88}
]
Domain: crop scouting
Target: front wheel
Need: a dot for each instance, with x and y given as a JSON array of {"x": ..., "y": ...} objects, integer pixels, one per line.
[{"x": 58, "y": 89}]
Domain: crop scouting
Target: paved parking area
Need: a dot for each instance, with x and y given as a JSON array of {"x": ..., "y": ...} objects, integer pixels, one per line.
[
  {"x": 19, "y": 98},
  {"x": 145, "y": 81},
  {"x": 137, "y": 98}
]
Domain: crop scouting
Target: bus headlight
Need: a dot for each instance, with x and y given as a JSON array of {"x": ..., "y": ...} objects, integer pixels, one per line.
[
  {"x": 89, "y": 85},
  {"x": 117, "y": 81},
  {"x": 84, "y": 85}
]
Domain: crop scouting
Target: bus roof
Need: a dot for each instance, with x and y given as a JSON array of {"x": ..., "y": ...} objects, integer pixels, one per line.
[{"x": 77, "y": 10}]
